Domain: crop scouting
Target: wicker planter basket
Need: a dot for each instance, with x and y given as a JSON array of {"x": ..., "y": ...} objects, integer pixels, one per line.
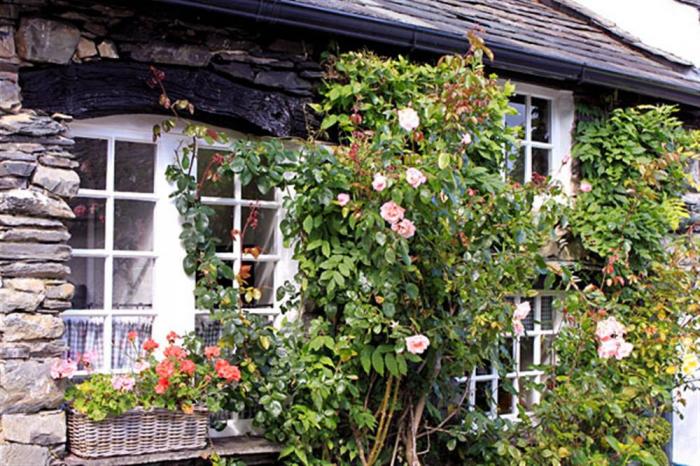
[{"x": 137, "y": 432}]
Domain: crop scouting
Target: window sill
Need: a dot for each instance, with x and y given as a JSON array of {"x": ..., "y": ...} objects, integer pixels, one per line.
[{"x": 255, "y": 450}]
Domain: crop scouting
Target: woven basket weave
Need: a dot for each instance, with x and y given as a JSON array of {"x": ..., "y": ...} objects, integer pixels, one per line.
[{"x": 137, "y": 432}]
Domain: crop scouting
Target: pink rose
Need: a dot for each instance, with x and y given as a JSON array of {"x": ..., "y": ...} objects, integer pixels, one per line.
[
  {"x": 343, "y": 199},
  {"x": 518, "y": 328},
  {"x": 379, "y": 182},
  {"x": 415, "y": 177},
  {"x": 608, "y": 348},
  {"x": 609, "y": 329},
  {"x": 624, "y": 349},
  {"x": 80, "y": 210},
  {"x": 408, "y": 119},
  {"x": 466, "y": 139},
  {"x": 405, "y": 228},
  {"x": 392, "y": 212},
  {"x": 417, "y": 344},
  {"x": 63, "y": 369},
  {"x": 586, "y": 187},
  {"x": 521, "y": 310}
]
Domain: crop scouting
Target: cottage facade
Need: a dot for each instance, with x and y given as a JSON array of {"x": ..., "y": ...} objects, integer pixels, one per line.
[{"x": 89, "y": 245}]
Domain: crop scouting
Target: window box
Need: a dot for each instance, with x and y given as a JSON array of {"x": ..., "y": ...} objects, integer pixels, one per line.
[{"x": 137, "y": 432}]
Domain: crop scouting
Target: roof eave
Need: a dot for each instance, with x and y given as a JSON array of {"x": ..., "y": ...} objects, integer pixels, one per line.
[{"x": 377, "y": 30}]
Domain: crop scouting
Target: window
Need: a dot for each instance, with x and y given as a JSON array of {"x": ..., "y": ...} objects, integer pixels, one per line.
[
  {"x": 127, "y": 256},
  {"x": 534, "y": 348},
  {"x": 546, "y": 118}
]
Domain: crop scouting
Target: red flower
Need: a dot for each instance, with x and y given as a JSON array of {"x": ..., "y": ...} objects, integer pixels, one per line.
[
  {"x": 162, "y": 386},
  {"x": 172, "y": 336},
  {"x": 132, "y": 335},
  {"x": 188, "y": 367},
  {"x": 80, "y": 210},
  {"x": 212, "y": 352},
  {"x": 165, "y": 369},
  {"x": 227, "y": 371},
  {"x": 175, "y": 351},
  {"x": 150, "y": 345}
]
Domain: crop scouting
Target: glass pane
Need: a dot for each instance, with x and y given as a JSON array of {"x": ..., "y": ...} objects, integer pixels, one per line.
[
  {"x": 87, "y": 275},
  {"x": 539, "y": 112},
  {"x": 133, "y": 225},
  {"x": 527, "y": 395},
  {"x": 507, "y": 355},
  {"x": 133, "y": 283},
  {"x": 547, "y": 349},
  {"x": 527, "y": 353},
  {"x": 546, "y": 313},
  {"x": 482, "y": 396},
  {"x": 529, "y": 321},
  {"x": 262, "y": 277},
  {"x": 505, "y": 399},
  {"x": 540, "y": 161},
  {"x": 134, "y": 166},
  {"x": 485, "y": 367},
  {"x": 261, "y": 230},
  {"x": 83, "y": 336},
  {"x": 124, "y": 352},
  {"x": 221, "y": 224},
  {"x": 91, "y": 154},
  {"x": 222, "y": 187},
  {"x": 518, "y": 103},
  {"x": 87, "y": 229},
  {"x": 251, "y": 192},
  {"x": 207, "y": 329},
  {"x": 515, "y": 165}
]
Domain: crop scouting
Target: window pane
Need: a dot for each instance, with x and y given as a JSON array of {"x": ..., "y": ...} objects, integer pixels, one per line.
[
  {"x": 133, "y": 283},
  {"x": 515, "y": 165},
  {"x": 539, "y": 112},
  {"x": 547, "y": 349},
  {"x": 546, "y": 313},
  {"x": 133, "y": 225},
  {"x": 261, "y": 230},
  {"x": 221, "y": 224},
  {"x": 87, "y": 229},
  {"x": 222, "y": 187},
  {"x": 527, "y": 396},
  {"x": 505, "y": 398},
  {"x": 87, "y": 275},
  {"x": 134, "y": 166},
  {"x": 518, "y": 103},
  {"x": 251, "y": 192},
  {"x": 209, "y": 330},
  {"x": 84, "y": 338},
  {"x": 125, "y": 352},
  {"x": 540, "y": 161},
  {"x": 527, "y": 353},
  {"x": 262, "y": 277},
  {"x": 91, "y": 154},
  {"x": 529, "y": 321},
  {"x": 482, "y": 397},
  {"x": 507, "y": 355}
]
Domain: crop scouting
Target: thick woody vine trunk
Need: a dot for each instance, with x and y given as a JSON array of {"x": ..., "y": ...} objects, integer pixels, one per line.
[{"x": 415, "y": 417}]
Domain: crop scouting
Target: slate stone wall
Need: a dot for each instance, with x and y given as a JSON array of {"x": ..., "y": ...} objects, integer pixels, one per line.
[{"x": 36, "y": 177}]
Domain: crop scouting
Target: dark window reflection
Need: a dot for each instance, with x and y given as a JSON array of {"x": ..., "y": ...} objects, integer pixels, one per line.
[
  {"x": 91, "y": 155},
  {"x": 87, "y": 229},
  {"x": 539, "y": 113},
  {"x": 134, "y": 166}
]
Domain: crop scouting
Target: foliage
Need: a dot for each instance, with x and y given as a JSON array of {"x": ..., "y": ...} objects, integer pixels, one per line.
[
  {"x": 183, "y": 379},
  {"x": 409, "y": 242}
]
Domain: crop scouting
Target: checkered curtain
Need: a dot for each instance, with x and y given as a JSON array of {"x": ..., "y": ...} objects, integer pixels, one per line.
[
  {"x": 209, "y": 330},
  {"x": 84, "y": 335},
  {"x": 124, "y": 352}
]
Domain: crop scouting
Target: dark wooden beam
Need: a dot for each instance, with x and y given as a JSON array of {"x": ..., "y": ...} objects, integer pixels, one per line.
[{"x": 110, "y": 88}]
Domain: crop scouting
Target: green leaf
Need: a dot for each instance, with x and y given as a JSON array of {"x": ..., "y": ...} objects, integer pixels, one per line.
[
  {"x": 391, "y": 365},
  {"x": 443, "y": 160},
  {"x": 378, "y": 362},
  {"x": 308, "y": 224}
]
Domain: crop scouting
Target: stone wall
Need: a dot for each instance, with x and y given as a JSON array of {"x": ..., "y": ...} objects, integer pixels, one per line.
[{"x": 36, "y": 176}]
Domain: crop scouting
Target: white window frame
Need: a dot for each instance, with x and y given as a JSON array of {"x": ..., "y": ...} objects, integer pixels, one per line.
[
  {"x": 537, "y": 334},
  {"x": 173, "y": 290},
  {"x": 561, "y": 124}
]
